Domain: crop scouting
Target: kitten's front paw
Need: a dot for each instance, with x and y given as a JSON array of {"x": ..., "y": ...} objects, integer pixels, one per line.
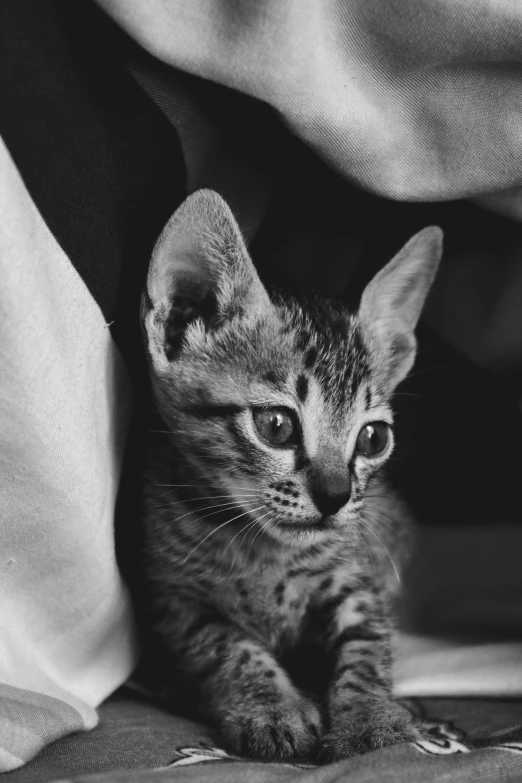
[
  {"x": 367, "y": 727},
  {"x": 273, "y": 731}
]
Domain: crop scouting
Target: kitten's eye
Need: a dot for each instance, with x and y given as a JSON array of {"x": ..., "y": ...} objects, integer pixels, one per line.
[
  {"x": 373, "y": 439},
  {"x": 274, "y": 425}
]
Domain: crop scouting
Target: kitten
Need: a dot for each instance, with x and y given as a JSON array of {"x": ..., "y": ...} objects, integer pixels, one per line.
[{"x": 268, "y": 519}]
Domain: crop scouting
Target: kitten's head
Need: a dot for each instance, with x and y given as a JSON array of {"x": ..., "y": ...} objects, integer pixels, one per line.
[{"x": 281, "y": 404}]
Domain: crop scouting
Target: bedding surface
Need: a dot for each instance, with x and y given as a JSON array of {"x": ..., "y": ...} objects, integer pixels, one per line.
[{"x": 471, "y": 741}]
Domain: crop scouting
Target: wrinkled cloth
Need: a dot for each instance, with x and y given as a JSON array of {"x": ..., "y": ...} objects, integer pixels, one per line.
[
  {"x": 469, "y": 741},
  {"x": 66, "y": 627},
  {"x": 411, "y": 99},
  {"x": 75, "y": 166}
]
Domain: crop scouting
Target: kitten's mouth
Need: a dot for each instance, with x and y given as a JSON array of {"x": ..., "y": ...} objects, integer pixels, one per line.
[
  {"x": 326, "y": 522},
  {"x": 323, "y": 523},
  {"x": 303, "y": 532}
]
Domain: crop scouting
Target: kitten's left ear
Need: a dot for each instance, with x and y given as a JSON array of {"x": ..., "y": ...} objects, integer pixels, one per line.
[
  {"x": 200, "y": 273},
  {"x": 392, "y": 303}
]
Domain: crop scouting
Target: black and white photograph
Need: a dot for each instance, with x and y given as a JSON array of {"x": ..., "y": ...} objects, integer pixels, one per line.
[{"x": 260, "y": 391}]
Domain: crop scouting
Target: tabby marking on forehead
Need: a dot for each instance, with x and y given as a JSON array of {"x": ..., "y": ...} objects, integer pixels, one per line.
[
  {"x": 302, "y": 387},
  {"x": 333, "y": 348}
]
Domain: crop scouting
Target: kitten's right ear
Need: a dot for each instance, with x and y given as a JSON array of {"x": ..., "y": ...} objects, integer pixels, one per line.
[
  {"x": 392, "y": 303},
  {"x": 200, "y": 273}
]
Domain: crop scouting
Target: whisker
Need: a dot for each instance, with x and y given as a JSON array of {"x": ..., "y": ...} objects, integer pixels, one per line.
[
  {"x": 201, "y": 480},
  {"x": 215, "y": 530},
  {"x": 261, "y": 528},
  {"x": 206, "y": 497},
  {"x": 378, "y": 495},
  {"x": 193, "y": 486},
  {"x": 429, "y": 369},
  {"x": 373, "y": 533},
  {"x": 217, "y": 506},
  {"x": 242, "y": 530},
  {"x": 368, "y": 548},
  {"x": 384, "y": 514}
]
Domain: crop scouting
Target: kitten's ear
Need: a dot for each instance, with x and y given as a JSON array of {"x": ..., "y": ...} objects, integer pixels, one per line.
[
  {"x": 392, "y": 303},
  {"x": 200, "y": 269}
]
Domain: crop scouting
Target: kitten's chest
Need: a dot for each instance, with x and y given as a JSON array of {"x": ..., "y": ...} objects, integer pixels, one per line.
[{"x": 278, "y": 602}]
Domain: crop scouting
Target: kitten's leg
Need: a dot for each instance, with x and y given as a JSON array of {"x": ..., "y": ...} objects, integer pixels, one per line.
[
  {"x": 362, "y": 714},
  {"x": 243, "y": 689}
]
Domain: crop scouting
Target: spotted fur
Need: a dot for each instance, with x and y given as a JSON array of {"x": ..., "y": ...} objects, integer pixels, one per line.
[{"x": 255, "y": 550}]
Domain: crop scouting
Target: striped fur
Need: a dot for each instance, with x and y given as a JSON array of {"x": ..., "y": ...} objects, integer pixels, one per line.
[{"x": 242, "y": 564}]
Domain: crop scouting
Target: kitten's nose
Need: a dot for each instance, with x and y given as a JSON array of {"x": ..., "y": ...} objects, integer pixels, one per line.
[{"x": 330, "y": 492}]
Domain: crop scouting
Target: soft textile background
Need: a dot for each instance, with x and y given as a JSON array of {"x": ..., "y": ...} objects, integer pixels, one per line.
[
  {"x": 413, "y": 99},
  {"x": 66, "y": 631},
  {"x": 89, "y": 172}
]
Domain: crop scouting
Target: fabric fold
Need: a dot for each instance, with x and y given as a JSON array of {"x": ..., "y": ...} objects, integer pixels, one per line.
[
  {"x": 413, "y": 101},
  {"x": 66, "y": 629}
]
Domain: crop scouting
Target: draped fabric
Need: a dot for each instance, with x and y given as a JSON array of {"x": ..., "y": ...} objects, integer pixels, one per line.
[
  {"x": 82, "y": 152},
  {"x": 411, "y": 99}
]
